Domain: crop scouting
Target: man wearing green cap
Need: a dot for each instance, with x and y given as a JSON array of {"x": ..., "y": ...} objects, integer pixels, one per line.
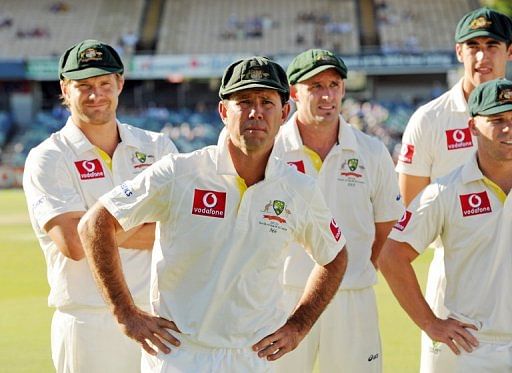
[
  {"x": 226, "y": 215},
  {"x": 356, "y": 176},
  {"x": 64, "y": 176},
  {"x": 471, "y": 210},
  {"x": 437, "y": 138}
]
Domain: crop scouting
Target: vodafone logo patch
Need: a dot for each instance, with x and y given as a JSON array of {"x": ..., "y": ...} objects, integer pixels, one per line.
[
  {"x": 475, "y": 204},
  {"x": 335, "y": 230},
  {"x": 90, "y": 169},
  {"x": 404, "y": 220},
  {"x": 406, "y": 153},
  {"x": 458, "y": 138},
  {"x": 299, "y": 165},
  {"x": 209, "y": 203}
]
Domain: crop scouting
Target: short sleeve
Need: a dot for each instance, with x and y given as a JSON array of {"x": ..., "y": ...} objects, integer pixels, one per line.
[
  {"x": 49, "y": 187},
  {"x": 422, "y": 221},
  {"x": 386, "y": 201},
  {"x": 321, "y": 236},
  {"x": 416, "y": 153},
  {"x": 167, "y": 146},
  {"x": 143, "y": 199}
]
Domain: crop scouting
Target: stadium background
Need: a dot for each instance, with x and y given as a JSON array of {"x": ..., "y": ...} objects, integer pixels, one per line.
[{"x": 399, "y": 54}]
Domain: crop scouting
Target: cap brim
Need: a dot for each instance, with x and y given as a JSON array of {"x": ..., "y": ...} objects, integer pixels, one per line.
[
  {"x": 481, "y": 33},
  {"x": 90, "y": 73},
  {"x": 496, "y": 110}
]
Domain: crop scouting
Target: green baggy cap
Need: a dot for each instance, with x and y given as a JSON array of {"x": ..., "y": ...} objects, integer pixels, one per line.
[
  {"x": 89, "y": 58},
  {"x": 312, "y": 62},
  {"x": 492, "y": 97},
  {"x": 254, "y": 72},
  {"x": 484, "y": 22}
]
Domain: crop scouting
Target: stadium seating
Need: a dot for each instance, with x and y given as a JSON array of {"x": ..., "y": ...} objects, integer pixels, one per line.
[
  {"x": 418, "y": 26},
  {"x": 47, "y": 30},
  {"x": 266, "y": 27}
]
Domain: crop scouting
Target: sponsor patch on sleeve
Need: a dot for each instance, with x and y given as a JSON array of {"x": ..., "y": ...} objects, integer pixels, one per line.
[
  {"x": 475, "y": 204},
  {"x": 299, "y": 165},
  {"x": 406, "y": 153},
  {"x": 404, "y": 220},
  {"x": 209, "y": 203},
  {"x": 335, "y": 230}
]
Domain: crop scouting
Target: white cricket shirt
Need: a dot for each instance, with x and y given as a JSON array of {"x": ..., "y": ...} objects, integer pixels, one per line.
[
  {"x": 66, "y": 173},
  {"x": 219, "y": 252},
  {"x": 437, "y": 138},
  {"x": 473, "y": 217},
  {"x": 360, "y": 186}
]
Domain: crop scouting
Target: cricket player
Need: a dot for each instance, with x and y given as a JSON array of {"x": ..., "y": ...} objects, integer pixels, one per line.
[
  {"x": 357, "y": 178},
  {"x": 64, "y": 176},
  {"x": 437, "y": 138},
  {"x": 226, "y": 215},
  {"x": 471, "y": 210}
]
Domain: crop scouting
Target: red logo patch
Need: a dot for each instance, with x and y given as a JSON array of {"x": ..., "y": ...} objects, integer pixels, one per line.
[
  {"x": 404, "y": 220},
  {"x": 459, "y": 138},
  {"x": 209, "y": 203},
  {"x": 406, "y": 153},
  {"x": 90, "y": 169},
  {"x": 475, "y": 204},
  {"x": 335, "y": 230},
  {"x": 299, "y": 165}
]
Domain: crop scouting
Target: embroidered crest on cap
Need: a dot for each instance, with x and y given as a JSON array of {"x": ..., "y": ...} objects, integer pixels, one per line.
[
  {"x": 480, "y": 22},
  {"x": 257, "y": 73},
  {"x": 505, "y": 95},
  {"x": 325, "y": 57},
  {"x": 91, "y": 54}
]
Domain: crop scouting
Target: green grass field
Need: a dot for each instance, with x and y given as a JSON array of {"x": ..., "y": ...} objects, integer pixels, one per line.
[{"x": 25, "y": 317}]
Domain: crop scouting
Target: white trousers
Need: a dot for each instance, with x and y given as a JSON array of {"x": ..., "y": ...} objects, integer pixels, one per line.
[
  {"x": 192, "y": 358},
  {"x": 486, "y": 358},
  {"x": 90, "y": 341},
  {"x": 345, "y": 338},
  {"x": 436, "y": 357}
]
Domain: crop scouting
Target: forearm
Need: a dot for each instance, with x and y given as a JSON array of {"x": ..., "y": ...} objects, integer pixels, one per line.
[
  {"x": 382, "y": 230},
  {"x": 403, "y": 282},
  {"x": 322, "y": 284},
  {"x": 97, "y": 231},
  {"x": 141, "y": 237}
]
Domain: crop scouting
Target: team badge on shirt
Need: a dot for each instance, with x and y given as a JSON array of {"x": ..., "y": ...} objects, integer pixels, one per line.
[
  {"x": 276, "y": 211},
  {"x": 458, "y": 138},
  {"x": 406, "y": 153},
  {"x": 475, "y": 204},
  {"x": 299, "y": 165},
  {"x": 351, "y": 172},
  {"x": 142, "y": 160},
  {"x": 90, "y": 169},
  {"x": 404, "y": 220},
  {"x": 209, "y": 203},
  {"x": 275, "y": 214}
]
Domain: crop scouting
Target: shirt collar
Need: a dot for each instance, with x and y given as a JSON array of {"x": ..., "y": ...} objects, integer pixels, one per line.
[
  {"x": 470, "y": 171},
  {"x": 289, "y": 136},
  {"x": 225, "y": 164},
  {"x": 77, "y": 138},
  {"x": 459, "y": 103}
]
